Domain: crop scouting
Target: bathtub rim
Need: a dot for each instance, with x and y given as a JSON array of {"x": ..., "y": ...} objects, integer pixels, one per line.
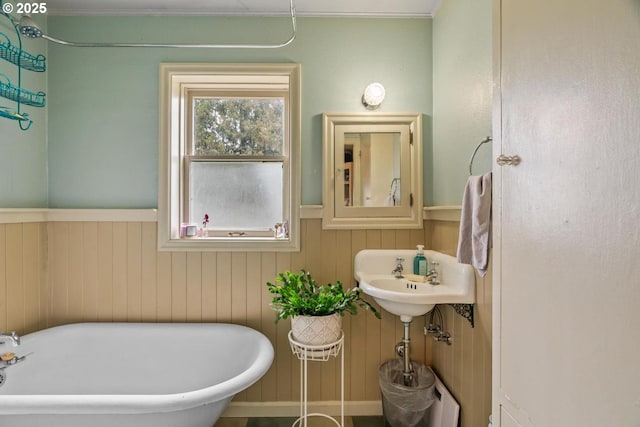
[{"x": 127, "y": 404}]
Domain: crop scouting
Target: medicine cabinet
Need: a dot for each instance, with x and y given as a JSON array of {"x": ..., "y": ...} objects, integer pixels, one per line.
[{"x": 372, "y": 174}]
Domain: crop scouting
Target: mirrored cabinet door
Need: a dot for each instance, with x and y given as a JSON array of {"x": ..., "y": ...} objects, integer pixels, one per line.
[{"x": 373, "y": 170}]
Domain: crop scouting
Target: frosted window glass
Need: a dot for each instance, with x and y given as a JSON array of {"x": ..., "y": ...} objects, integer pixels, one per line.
[{"x": 237, "y": 195}]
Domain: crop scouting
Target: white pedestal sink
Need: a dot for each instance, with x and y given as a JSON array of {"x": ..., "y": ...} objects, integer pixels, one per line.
[{"x": 406, "y": 298}]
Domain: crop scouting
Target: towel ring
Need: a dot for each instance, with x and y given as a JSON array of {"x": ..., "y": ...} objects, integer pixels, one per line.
[{"x": 484, "y": 141}]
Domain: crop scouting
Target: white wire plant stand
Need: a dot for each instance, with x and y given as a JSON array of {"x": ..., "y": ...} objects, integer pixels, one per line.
[{"x": 321, "y": 353}]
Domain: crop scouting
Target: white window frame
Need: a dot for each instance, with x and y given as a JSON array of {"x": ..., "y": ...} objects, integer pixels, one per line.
[{"x": 177, "y": 82}]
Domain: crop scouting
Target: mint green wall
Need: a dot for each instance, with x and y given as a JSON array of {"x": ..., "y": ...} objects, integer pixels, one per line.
[
  {"x": 103, "y": 113},
  {"x": 23, "y": 154},
  {"x": 462, "y": 95},
  {"x": 102, "y": 103}
]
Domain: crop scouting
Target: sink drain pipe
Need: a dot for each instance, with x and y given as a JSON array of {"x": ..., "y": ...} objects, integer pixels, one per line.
[
  {"x": 407, "y": 371},
  {"x": 403, "y": 350}
]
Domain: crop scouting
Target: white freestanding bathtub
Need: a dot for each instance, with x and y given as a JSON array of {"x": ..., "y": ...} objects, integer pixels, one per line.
[{"x": 130, "y": 374}]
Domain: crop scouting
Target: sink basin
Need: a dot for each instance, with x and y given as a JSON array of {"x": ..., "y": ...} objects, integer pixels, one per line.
[{"x": 406, "y": 298}]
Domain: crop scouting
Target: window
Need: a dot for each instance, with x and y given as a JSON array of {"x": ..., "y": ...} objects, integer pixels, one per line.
[{"x": 229, "y": 149}]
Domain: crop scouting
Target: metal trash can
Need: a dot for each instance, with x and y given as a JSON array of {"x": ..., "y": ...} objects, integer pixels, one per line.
[{"x": 406, "y": 406}]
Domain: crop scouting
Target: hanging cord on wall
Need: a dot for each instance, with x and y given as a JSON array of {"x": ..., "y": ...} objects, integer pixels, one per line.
[{"x": 29, "y": 28}]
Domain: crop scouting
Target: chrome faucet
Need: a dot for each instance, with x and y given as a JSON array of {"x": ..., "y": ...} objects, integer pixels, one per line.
[
  {"x": 11, "y": 336},
  {"x": 397, "y": 272},
  {"x": 433, "y": 275}
]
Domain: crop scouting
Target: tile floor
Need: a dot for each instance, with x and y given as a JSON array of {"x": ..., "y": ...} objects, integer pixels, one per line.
[{"x": 288, "y": 422}]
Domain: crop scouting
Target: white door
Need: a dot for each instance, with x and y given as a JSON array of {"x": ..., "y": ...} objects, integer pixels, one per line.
[{"x": 567, "y": 219}]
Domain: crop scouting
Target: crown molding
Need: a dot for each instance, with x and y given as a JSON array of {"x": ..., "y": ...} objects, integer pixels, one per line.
[{"x": 241, "y": 14}]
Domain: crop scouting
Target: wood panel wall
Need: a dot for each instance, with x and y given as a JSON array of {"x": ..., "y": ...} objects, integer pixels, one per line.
[
  {"x": 110, "y": 271},
  {"x": 465, "y": 366},
  {"x": 23, "y": 281},
  {"x": 63, "y": 272}
]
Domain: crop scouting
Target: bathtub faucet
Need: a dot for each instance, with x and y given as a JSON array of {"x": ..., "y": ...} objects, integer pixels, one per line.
[{"x": 11, "y": 336}]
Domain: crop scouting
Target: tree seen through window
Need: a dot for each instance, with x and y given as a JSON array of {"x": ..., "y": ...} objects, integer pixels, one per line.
[{"x": 238, "y": 126}]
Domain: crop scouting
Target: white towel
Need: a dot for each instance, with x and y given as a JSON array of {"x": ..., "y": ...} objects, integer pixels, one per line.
[{"x": 475, "y": 223}]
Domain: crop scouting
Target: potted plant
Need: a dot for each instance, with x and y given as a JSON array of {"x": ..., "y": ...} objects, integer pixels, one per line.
[{"x": 316, "y": 311}]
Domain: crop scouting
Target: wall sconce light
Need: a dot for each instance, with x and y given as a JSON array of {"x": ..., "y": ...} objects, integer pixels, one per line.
[{"x": 373, "y": 96}]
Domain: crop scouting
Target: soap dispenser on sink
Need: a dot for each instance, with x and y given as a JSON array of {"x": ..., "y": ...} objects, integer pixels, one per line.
[{"x": 420, "y": 263}]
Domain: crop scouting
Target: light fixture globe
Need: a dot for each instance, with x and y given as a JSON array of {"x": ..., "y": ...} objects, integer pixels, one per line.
[{"x": 373, "y": 96}]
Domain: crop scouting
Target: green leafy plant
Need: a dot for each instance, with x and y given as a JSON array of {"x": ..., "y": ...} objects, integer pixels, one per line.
[{"x": 298, "y": 294}]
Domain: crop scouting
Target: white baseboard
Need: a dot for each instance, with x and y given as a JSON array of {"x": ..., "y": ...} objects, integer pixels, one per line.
[{"x": 292, "y": 409}]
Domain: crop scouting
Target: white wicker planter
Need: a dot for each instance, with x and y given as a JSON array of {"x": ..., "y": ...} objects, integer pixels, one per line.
[{"x": 316, "y": 330}]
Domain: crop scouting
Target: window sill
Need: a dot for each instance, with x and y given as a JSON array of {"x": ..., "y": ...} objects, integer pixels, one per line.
[{"x": 232, "y": 244}]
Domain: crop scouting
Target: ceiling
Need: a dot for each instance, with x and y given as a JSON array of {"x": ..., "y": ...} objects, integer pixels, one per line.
[{"x": 381, "y": 8}]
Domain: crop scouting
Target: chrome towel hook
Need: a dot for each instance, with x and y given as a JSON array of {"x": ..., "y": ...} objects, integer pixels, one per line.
[{"x": 484, "y": 141}]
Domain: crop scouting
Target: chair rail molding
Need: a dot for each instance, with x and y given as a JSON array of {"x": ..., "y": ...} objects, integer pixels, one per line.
[{"x": 25, "y": 215}]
